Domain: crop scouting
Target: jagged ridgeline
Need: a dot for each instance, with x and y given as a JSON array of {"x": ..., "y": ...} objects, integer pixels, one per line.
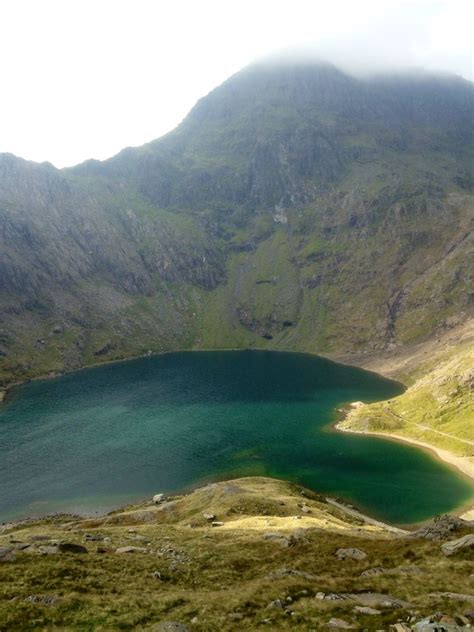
[{"x": 295, "y": 207}]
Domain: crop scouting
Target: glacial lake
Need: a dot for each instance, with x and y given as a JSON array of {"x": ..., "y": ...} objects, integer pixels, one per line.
[{"x": 96, "y": 439}]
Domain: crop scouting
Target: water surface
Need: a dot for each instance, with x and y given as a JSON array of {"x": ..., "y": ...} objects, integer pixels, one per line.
[{"x": 95, "y": 439}]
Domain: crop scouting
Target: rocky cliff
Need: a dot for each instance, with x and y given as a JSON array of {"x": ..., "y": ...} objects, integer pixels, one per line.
[{"x": 295, "y": 207}]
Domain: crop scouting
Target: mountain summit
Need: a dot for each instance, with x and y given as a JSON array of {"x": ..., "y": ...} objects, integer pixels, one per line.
[{"x": 295, "y": 207}]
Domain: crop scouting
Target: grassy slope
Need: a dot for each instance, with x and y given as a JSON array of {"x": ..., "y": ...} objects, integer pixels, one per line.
[
  {"x": 439, "y": 400},
  {"x": 220, "y": 578}
]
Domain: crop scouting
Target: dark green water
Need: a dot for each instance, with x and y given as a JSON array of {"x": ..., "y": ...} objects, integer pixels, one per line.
[{"x": 98, "y": 438}]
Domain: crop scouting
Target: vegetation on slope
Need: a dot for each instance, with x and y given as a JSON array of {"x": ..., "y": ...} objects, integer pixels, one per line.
[
  {"x": 438, "y": 406},
  {"x": 237, "y": 555}
]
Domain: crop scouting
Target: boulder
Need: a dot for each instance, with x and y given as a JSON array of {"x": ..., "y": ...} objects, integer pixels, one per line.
[
  {"x": 350, "y": 554},
  {"x": 7, "y": 554},
  {"x": 454, "y": 546},
  {"x": 440, "y": 528},
  {"x": 158, "y": 498}
]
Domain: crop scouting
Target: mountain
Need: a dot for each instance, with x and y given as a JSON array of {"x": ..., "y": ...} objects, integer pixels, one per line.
[{"x": 295, "y": 207}]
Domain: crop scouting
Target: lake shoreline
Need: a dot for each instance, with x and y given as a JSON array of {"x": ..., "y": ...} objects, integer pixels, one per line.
[
  {"x": 459, "y": 463},
  {"x": 6, "y": 390},
  {"x": 461, "y": 466}
]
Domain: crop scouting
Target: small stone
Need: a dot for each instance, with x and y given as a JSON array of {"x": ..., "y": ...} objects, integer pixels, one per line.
[
  {"x": 130, "y": 549},
  {"x": 48, "y": 550},
  {"x": 277, "y": 603},
  {"x": 340, "y": 624},
  {"x": 350, "y": 554},
  {"x": 366, "y": 610},
  {"x": 158, "y": 498},
  {"x": 40, "y": 538},
  {"x": 373, "y": 572},
  {"x": 157, "y": 575},
  {"x": 320, "y": 595},
  {"x": 400, "y": 627},
  {"x": 209, "y": 517},
  {"x": 217, "y": 523},
  {"x": 93, "y": 537},
  {"x": 45, "y": 600}
]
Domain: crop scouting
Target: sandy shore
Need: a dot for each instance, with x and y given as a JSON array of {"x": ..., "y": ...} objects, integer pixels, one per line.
[{"x": 462, "y": 464}]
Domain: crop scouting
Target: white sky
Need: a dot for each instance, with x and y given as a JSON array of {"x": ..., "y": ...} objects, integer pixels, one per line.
[{"x": 84, "y": 78}]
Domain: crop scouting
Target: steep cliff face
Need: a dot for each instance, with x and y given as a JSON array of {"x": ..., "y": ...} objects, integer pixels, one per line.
[{"x": 295, "y": 207}]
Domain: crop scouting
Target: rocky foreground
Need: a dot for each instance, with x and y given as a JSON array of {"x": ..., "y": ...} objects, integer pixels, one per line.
[{"x": 247, "y": 554}]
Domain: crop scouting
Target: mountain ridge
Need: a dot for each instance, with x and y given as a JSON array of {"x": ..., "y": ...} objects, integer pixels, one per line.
[{"x": 295, "y": 207}]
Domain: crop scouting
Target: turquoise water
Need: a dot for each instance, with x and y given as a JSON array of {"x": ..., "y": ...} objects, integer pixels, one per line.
[{"x": 92, "y": 440}]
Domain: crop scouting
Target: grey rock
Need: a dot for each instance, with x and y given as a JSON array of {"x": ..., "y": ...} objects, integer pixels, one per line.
[
  {"x": 277, "y": 603},
  {"x": 290, "y": 572},
  {"x": 440, "y": 528},
  {"x": 454, "y": 546},
  {"x": 209, "y": 517},
  {"x": 366, "y": 610},
  {"x": 340, "y": 624},
  {"x": 48, "y": 550},
  {"x": 130, "y": 549},
  {"x": 430, "y": 624},
  {"x": 44, "y": 600},
  {"x": 350, "y": 554},
  {"x": 373, "y": 572},
  {"x": 454, "y": 596},
  {"x": 7, "y": 554}
]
